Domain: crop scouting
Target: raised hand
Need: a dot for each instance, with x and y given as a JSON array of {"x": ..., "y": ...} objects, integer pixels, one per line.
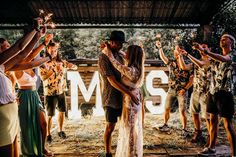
[
  {"x": 47, "y": 17},
  {"x": 197, "y": 46},
  {"x": 183, "y": 52},
  {"x": 205, "y": 48},
  {"x": 106, "y": 50},
  {"x": 158, "y": 44},
  {"x": 38, "y": 22}
]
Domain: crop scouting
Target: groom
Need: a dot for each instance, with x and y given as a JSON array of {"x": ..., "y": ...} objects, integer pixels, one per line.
[{"x": 111, "y": 95}]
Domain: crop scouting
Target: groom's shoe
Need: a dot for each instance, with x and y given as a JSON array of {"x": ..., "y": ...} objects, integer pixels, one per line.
[{"x": 108, "y": 155}]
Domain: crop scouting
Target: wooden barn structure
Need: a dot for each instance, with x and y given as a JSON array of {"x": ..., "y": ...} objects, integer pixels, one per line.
[{"x": 15, "y": 14}]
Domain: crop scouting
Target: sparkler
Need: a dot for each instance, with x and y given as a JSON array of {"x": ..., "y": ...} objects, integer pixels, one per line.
[
  {"x": 158, "y": 37},
  {"x": 52, "y": 25},
  {"x": 47, "y": 18}
]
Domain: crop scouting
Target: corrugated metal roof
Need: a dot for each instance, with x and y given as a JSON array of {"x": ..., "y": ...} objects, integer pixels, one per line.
[{"x": 112, "y": 12}]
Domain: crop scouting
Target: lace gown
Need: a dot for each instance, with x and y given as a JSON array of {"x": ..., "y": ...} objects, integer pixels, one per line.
[{"x": 130, "y": 138}]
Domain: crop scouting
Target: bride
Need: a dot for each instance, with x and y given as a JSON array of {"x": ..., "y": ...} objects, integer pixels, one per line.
[{"x": 130, "y": 138}]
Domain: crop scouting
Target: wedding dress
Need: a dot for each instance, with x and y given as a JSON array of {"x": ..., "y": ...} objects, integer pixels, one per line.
[{"x": 130, "y": 138}]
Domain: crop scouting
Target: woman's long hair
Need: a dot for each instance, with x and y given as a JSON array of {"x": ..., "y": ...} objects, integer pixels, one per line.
[{"x": 136, "y": 59}]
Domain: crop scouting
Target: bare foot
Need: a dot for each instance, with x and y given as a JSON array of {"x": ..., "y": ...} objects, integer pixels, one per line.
[{"x": 47, "y": 153}]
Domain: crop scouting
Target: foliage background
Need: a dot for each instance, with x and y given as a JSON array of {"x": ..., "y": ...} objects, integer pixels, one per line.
[
  {"x": 84, "y": 43},
  {"x": 225, "y": 19}
]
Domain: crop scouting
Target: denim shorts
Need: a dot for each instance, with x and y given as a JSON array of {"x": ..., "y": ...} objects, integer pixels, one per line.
[
  {"x": 198, "y": 103},
  {"x": 173, "y": 96}
]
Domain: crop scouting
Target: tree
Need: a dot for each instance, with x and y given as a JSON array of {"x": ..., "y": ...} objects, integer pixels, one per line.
[{"x": 225, "y": 19}]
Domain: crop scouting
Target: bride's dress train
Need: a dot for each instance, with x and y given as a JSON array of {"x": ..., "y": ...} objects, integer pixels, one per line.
[{"x": 130, "y": 138}]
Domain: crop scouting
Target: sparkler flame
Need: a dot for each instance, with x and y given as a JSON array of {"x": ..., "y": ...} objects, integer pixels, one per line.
[
  {"x": 52, "y": 25},
  {"x": 47, "y": 18},
  {"x": 41, "y": 11},
  {"x": 158, "y": 35}
]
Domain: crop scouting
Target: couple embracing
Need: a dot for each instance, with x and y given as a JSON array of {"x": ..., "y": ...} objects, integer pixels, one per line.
[{"x": 122, "y": 75}]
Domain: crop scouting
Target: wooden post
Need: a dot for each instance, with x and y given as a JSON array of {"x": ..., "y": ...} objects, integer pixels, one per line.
[{"x": 207, "y": 32}]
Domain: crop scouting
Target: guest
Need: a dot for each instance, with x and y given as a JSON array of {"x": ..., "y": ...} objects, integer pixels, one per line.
[
  {"x": 220, "y": 97},
  {"x": 31, "y": 113},
  {"x": 179, "y": 82},
  {"x": 201, "y": 87},
  {"x": 53, "y": 75},
  {"x": 8, "y": 107}
]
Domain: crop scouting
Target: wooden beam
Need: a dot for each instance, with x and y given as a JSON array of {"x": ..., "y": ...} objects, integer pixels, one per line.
[
  {"x": 176, "y": 5},
  {"x": 153, "y": 10}
]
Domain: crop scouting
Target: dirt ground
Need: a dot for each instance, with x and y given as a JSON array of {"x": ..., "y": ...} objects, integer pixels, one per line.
[{"x": 85, "y": 138}]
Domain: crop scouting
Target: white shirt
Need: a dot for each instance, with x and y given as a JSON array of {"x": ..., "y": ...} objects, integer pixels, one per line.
[{"x": 6, "y": 93}]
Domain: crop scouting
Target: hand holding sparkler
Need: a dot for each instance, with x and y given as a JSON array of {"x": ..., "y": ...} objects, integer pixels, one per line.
[
  {"x": 158, "y": 37},
  {"x": 37, "y": 23},
  {"x": 201, "y": 47},
  {"x": 197, "y": 46},
  {"x": 47, "y": 18},
  {"x": 206, "y": 49},
  {"x": 183, "y": 52},
  {"x": 158, "y": 44},
  {"x": 44, "y": 16}
]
